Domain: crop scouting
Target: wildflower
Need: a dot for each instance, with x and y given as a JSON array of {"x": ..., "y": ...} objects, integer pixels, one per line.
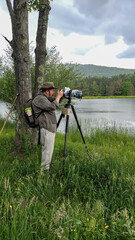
[
  {"x": 88, "y": 219},
  {"x": 10, "y": 206},
  {"x": 107, "y": 226},
  {"x": 73, "y": 230},
  {"x": 91, "y": 226}
]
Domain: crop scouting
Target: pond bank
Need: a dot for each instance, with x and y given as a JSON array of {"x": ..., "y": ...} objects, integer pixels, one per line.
[{"x": 104, "y": 97}]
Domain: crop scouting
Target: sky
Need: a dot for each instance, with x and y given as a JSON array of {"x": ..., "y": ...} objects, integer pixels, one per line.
[{"x": 99, "y": 32}]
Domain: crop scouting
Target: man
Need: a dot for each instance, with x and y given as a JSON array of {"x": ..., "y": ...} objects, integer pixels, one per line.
[{"x": 44, "y": 106}]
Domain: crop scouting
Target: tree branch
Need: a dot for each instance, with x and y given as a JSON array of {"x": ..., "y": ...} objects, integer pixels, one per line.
[
  {"x": 10, "y": 9},
  {"x": 10, "y": 42}
]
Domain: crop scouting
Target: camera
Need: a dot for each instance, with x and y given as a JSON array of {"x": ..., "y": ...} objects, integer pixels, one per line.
[{"x": 72, "y": 93}]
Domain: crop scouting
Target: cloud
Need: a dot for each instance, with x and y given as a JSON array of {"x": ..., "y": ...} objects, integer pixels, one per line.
[
  {"x": 97, "y": 32},
  {"x": 111, "y": 18},
  {"x": 67, "y": 20},
  {"x": 129, "y": 53},
  {"x": 81, "y": 51}
]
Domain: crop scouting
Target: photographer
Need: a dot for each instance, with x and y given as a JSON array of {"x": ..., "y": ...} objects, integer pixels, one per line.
[{"x": 44, "y": 106}]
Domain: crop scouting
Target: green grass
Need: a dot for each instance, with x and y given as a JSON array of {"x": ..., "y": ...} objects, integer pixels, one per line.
[
  {"x": 96, "y": 97},
  {"x": 92, "y": 199}
]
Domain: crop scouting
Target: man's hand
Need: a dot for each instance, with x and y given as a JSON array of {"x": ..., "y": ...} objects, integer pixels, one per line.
[{"x": 59, "y": 95}]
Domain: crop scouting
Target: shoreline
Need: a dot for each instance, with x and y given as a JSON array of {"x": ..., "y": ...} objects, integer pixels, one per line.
[{"x": 98, "y": 97}]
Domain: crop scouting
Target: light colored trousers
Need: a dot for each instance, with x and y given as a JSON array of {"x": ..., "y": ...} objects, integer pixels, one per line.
[{"x": 47, "y": 140}]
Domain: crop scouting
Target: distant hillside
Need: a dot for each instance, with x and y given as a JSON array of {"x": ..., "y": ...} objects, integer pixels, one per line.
[{"x": 101, "y": 71}]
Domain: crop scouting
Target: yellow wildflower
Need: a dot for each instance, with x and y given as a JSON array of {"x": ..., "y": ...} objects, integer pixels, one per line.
[{"x": 107, "y": 226}]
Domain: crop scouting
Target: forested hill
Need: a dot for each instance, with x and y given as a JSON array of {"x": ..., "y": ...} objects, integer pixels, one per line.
[{"x": 101, "y": 71}]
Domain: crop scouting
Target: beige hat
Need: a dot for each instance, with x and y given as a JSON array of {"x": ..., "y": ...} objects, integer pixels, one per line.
[{"x": 48, "y": 86}]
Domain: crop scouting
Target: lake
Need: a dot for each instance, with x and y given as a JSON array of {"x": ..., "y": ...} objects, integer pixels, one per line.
[
  {"x": 102, "y": 113},
  {"x": 97, "y": 113}
]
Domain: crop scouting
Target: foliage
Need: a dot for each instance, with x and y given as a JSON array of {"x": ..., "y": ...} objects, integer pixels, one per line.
[
  {"x": 122, "y": 85},
  {"x": 66, "y": 75},
  {"x": 8, "y": 86},
  {"x": 63, "y": 75},
  {"x": 1, "y": 66},
  {"x": 34, "y": 5},
  {"x": 92, "y": 198}
]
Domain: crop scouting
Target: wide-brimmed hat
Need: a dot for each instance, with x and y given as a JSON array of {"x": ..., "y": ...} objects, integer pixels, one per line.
[{"x": 48, "y": 86}]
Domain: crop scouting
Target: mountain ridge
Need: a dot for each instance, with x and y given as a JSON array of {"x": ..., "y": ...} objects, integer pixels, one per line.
[{"x": 101, "y": 71}]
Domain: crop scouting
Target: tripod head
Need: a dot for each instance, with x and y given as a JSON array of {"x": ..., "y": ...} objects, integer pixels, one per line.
[{"x": 69, "y": 98}]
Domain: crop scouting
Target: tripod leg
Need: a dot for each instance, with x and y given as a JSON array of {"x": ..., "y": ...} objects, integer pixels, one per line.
[
  {"x": 74, "y": 113},
  {"x": 61, "y": 116},
  {"x": 65, "y": 145}
]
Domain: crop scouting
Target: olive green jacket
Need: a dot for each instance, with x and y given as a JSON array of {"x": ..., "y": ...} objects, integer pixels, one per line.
[{"x": 46, "y": 119}]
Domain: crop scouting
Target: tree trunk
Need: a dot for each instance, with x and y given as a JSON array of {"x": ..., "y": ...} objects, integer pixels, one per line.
[
  {"x": 21, "y": 57},
  {"x": 20, "y": 46},
  {"x": 40, "y": 51}
]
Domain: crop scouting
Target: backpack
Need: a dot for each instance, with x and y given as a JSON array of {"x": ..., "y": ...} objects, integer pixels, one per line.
[{"x": 31, "y": 120}]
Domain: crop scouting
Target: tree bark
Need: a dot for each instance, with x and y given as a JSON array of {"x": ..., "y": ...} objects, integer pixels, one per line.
[
  {"x": 21, "y": 57},
  {"x": 20, "y": 46},
  {"x": 40, "y": 51}
]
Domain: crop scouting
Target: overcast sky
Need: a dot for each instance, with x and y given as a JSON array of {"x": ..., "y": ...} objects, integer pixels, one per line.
[{"x": 99, "y": 32}]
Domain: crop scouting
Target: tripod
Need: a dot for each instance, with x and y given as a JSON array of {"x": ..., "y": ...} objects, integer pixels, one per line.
[{"x": 66, "y": 111}]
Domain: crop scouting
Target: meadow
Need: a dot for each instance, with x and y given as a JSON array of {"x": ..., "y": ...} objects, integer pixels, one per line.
[{"x": 91, "y": 199}]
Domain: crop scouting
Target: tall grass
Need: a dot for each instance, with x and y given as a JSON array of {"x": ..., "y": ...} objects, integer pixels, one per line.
[{"x": 92, "y": 199}]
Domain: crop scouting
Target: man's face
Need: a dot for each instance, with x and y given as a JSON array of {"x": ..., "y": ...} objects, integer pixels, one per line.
[{"x": 50, "y": 92}]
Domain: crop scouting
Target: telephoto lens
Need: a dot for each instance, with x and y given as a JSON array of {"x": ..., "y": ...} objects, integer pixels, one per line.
[{"x": 72, "y": 93}]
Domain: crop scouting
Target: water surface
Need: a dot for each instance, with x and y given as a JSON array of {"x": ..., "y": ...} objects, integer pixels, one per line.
[
  {"x": 96, "y": 113},
  {"x": 102, "y": 113}
]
